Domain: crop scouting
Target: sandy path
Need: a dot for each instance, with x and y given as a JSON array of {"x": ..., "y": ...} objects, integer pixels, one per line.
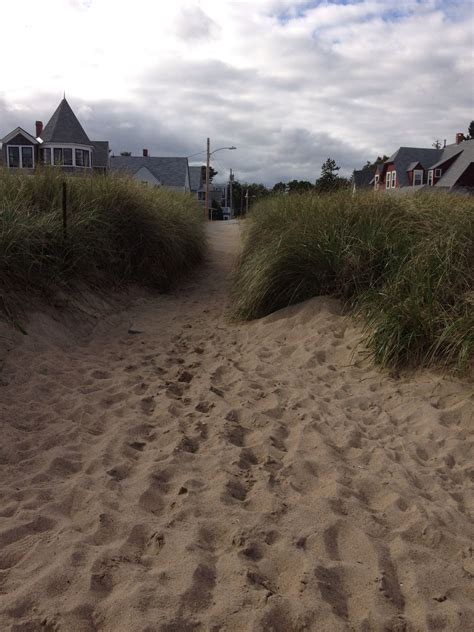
[{"x": 204, "y": 476}]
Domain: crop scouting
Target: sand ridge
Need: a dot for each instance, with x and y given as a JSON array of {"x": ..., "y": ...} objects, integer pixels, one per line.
[{"x": 174, "y": 471}]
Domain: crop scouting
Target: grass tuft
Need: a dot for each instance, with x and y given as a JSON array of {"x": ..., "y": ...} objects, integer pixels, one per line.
[
  {"x": 405, "y": 264},
  {"x": 118, "y": 232}
]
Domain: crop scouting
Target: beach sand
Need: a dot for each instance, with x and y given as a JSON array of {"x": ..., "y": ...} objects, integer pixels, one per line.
[{"x": 172, "y": 471}]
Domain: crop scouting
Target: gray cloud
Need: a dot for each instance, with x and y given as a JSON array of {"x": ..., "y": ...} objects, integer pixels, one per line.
[{"x": 290, "y": 86}]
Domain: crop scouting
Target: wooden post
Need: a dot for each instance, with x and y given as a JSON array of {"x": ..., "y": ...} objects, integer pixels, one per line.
[
  {"x": 65, "y": 209},
  {"x": 208, "y": 157}
]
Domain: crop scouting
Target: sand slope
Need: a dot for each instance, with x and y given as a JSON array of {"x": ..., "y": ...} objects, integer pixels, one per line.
[{"x": 174, "y": 472}]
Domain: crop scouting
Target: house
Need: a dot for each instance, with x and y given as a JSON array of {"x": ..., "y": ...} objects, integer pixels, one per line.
[
  {"x": 171, "y": 173},
  {"x": 413, "y": 168},
  {"x": 217, "y": 194},
  {"x": 61, "y": 143}
]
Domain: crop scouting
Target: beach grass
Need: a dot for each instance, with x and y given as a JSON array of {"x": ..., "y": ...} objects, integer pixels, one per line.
[
  {"x": 403, "y": 264},
  {"x": 118, "y": 232}
]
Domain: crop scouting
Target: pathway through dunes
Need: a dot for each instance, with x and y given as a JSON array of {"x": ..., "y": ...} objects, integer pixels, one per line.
[{"x": 177, "y": 472}]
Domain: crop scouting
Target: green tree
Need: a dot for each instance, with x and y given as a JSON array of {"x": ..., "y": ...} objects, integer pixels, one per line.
[
  {"x": 125, "y": 153},
  {"x": 329, "y": 180},
  {"x": 470, "y": 130},
  {"x": 437, "y": 144},
  {"x": 279, "y": 187},
  {"x": 299, "y": 186},
  {"x": 212, "y": 173}
]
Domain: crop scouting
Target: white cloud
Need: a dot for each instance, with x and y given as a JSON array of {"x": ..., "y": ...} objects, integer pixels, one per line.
[{"x": 289, "y": 83}]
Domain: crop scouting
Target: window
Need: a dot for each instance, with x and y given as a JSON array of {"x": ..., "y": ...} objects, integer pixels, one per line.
[
  {"x": 79, "y": 158},
  {"x": 417, "y": 177},
  {"x": 437, "y": 173},
  {"x": 67, "y": 156},
  {"x": 20, "y": 156},
  {"x": 376, "y": 185},
  {"x": 58, "y": 156},
  {"x": 27, "y": 157},
  {"x": 394, "y": 177},
  {"x": 388, "y": 179},
  {"x": 87, "y": 159},
  {"x": 430, "y": 178},
  {"x": 13, "y": 156}
]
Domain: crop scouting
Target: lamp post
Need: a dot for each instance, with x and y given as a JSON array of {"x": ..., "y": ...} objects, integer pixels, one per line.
[{"x": 208, "y": 158}]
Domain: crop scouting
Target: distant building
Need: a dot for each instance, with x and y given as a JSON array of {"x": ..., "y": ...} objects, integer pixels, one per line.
[
  {"x": 171, "y": 173},
  {"x": 415, "y": 168},
  {"x": 61, "y": 143}
]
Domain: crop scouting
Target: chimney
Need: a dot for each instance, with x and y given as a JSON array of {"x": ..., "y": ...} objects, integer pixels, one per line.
[
  {"x": 145, "y": 153},
  {"x": 39, "y": 128},
  {"x": 459, "y": 138}
]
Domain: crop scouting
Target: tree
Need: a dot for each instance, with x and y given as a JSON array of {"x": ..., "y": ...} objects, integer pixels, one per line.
[
  {"x": 437, "y": 144},
  {"x": 212, "y": 173},
  {"x": 125, "y": 153},
  {"x": 470, "y": 130},
  {"x": 279, "y": 187},
  {"x": 329, "y": 180},
  {"x": 299, "y": 186}
]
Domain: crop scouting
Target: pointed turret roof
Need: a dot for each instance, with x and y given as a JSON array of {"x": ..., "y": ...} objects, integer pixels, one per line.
[{"x": 63, "y": 127}]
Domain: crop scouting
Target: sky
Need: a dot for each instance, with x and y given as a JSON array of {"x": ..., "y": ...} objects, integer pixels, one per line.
[{"x": 289, "y": 83}]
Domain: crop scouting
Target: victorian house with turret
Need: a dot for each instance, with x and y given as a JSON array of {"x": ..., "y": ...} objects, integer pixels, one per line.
[{"x": 62, "y": 142}]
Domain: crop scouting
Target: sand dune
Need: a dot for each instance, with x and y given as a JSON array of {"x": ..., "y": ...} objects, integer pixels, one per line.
[{"x": 174, "y": 472}]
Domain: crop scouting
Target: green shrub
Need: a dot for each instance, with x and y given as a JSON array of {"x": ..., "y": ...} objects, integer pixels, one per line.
[
  {"x": 118, "y": 231},
  {"x": 403, "y": 263}
]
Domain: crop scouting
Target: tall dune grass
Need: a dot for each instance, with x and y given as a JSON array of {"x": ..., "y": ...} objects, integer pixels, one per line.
[
  {"x": 404, "y": 264},
  {"x": 118, "y": 231}
]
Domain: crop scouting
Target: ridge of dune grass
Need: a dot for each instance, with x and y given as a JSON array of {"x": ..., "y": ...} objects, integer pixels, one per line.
[
  {"x": 118, "y": 231},
  {"x": 403, "y": 264}
]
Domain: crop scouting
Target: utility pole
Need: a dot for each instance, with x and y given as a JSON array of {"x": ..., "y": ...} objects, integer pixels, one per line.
[
  {"x": 231, "y": 179},
  {"x": 208, "y": 158}
]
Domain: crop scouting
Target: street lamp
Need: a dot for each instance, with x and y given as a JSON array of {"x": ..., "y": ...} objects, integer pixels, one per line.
[{"x": 209, "y": 154}]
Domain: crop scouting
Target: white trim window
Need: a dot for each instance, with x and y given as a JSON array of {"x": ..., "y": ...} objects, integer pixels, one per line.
[
  {"x": 430, "y": 178},
  {"x": 376, "y": 182},
  {"x": 437, "y": 173},
  {"x": 394, "y": 179},
  {"x": 20, "y": 157},
  {"x": 82, "y": 158},
  {"x": 388, "y": 179},
  {"x": 417, "y": 177}
]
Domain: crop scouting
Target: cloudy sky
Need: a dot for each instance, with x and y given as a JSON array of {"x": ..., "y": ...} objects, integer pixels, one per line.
[{"x": 289, "y": 83}]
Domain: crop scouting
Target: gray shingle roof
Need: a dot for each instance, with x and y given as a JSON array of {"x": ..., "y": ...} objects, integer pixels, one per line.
[
  {"x": 363, "y": 177},
  {"x": 405, "y": 156},
  {"x": 63, "y": 127},
  {"x": 459, "y": 166},
  {"x": 413, "y": 165},
  {"x": 195, "y": 176},
  {"x": 171, "y": 172},
  {"x": 100, "y": 156}
]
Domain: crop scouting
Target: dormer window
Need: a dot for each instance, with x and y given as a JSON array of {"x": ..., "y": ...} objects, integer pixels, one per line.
[
  {"x": 20, "y": 156},
  {"x": 388, "y": 179},
  {"x": 417, "y": 177},
  {"x": 437, "y": 173},
  {"x": 394, "y": 178},
  {"x": 430, "y": 178},
  {"x": 376, "y": 182}
]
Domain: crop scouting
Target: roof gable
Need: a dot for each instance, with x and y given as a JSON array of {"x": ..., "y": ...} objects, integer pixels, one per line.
[
  {"x": 464, "y": 157},
  {"x": 63, "y": 127},
  {"x": 21, "y": 131},
  {"x": 171, "y": 172}
]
